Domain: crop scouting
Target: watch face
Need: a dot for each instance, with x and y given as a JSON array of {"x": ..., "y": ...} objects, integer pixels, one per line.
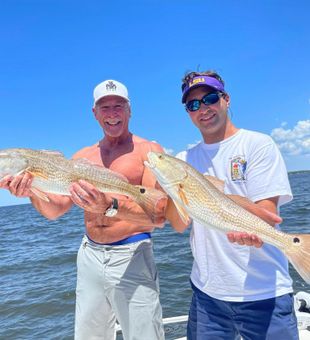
[{"x": 111, "y": 212}]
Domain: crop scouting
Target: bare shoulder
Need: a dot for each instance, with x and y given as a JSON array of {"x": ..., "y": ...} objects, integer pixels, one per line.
[
  {"x": 86, "y": 152},
  {"x": 146, "y": 146}
]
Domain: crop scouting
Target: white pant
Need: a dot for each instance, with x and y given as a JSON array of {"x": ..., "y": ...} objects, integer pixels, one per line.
[{"x": 117, "y": 282}]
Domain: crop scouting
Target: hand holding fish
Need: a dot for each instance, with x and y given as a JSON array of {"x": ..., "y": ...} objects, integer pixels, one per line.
[
  {"x": 88, "y": 197},
  {"x": 245, "y": 239},
  {"x": 19, "y": 185}
]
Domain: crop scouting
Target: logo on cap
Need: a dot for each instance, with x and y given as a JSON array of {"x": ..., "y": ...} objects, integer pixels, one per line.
[
  {"x": 196, "y": 81},
  {"x": 110, "y": 86}
]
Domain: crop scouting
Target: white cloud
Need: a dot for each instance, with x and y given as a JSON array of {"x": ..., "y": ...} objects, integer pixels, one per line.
[
  {"x": 294, "y": 141},
  {"x": 173, "y": 152},
  {"x": 168, "y": 151}
]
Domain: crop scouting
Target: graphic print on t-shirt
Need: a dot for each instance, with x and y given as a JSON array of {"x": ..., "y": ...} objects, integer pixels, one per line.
[{"x": 237, "y": 168}]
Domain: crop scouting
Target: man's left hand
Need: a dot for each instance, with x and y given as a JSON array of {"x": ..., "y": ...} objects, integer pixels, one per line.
[
  {"x": 244, "y": 239},
  {"x": 89, "y": 198}
]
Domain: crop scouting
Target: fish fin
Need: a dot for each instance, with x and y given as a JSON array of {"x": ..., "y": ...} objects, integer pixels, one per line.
[
  {"x": 37, "y": 173},
  {"x": 113, "y": 173},
  {"x": 149, "y": 199},
  {"x": 242, "y": 201},
  {"x": 20, "y": 172},
  {"x": 52, "y": 153},
  {"x": 82, "y": 163},
  {"x": 182, "y": 212},
  {"x": 85, "y": 161},
  {"x": 299, "y": 255},
  {"x": 218, "y": 183},
  {"x": 182, "y": 195},
  {"x": 40, "y": 194}
]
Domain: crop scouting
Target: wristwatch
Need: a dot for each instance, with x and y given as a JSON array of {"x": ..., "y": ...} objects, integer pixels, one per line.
[{"x": 113, "y": 209}]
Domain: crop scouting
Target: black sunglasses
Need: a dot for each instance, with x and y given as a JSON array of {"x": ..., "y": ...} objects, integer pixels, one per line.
[{"x": 208, "y": 99}]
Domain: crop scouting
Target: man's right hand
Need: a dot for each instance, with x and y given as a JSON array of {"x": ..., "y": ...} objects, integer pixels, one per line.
[
  {"x": 18, "y": 186},
  {"x": 257, "y": 209}
]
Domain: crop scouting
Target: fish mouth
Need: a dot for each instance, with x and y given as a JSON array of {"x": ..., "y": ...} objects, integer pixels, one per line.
[
  {"x": 151, "y": 162},
  {"x": 4, "y": 154},
  {"x": 149, "y": 165},
  {"x": 153, "y": 165}
]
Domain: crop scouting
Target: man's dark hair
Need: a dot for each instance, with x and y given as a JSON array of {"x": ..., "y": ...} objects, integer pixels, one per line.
[{"x": 190, "y": 75}]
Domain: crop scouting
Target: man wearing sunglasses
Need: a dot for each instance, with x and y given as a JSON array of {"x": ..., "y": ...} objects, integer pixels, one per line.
[{"x": 237, "y": 290}]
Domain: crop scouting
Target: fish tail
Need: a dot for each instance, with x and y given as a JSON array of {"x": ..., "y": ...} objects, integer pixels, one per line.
[
  {"x": 149, "y": 200},
  {"x": 299, "y": 255}
]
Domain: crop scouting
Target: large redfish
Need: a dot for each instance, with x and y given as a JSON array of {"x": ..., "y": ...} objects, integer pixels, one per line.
[
  {"x": 53, "y": 173},
  {"x": 200, "y": 197}
]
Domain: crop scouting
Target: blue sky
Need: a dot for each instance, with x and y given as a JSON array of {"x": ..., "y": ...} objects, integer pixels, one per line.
[{"x": 54, "y": 52}]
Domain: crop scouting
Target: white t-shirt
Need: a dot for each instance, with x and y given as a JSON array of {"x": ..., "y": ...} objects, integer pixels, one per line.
[{"x": 252, "y": 166}]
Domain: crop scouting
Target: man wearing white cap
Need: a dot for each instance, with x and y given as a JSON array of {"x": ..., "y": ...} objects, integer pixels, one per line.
[
  {"x": 117, "y": 277},
  {"x": 124, "y": 282}
]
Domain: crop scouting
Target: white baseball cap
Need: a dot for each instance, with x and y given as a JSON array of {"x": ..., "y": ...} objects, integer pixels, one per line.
[{"x": 110, "y": 88}]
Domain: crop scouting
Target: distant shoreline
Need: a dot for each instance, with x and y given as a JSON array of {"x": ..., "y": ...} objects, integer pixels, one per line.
[
  {"x": 13, "y": 205},
  {"x": 298, "y": 171}
]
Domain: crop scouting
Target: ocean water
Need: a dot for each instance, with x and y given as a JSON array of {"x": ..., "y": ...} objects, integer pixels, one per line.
[{"x": 38, "y": 267}]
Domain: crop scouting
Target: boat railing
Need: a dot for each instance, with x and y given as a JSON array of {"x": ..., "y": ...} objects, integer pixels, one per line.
[{"x": 167, "y": 321}]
